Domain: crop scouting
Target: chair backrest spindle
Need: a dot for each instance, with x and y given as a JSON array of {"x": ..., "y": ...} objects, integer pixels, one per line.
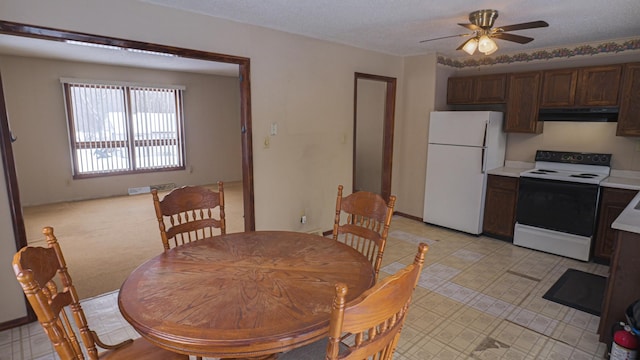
[
  {"x": 39, "y": 270},
  {"x": 373, "y": 321},
  {"x": 366, "y": 226},
  {"x": 187, "y": 214}
]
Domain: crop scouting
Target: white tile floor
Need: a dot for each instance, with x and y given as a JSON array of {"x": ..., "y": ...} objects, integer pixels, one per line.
[{"x": 478, "y": 298}]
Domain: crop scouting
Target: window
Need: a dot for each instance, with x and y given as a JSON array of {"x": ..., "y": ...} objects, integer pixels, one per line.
[{"x": 119, "y": 129}]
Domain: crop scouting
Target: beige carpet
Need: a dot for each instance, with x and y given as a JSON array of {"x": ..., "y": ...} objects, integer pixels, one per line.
[{"x": 103, "y": 240}]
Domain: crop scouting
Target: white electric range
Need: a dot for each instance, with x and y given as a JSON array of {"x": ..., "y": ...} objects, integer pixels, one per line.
[{"x": 558, "y": 202}]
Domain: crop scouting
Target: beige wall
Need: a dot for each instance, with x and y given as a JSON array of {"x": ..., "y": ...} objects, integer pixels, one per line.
[
  {"x": 12, "y": 303},
  {"x": 418, "y": 101},
  {"x": 580, "y": 137},
  {"x": 304, "y": 85},
  {"x": 35, "y": 106}
]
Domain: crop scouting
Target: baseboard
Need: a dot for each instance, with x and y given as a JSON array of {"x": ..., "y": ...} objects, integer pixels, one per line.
[{"x": 407, "y": 216}]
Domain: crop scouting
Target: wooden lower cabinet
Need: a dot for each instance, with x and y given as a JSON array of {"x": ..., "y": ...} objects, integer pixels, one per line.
[
  {"x": 612, "y": 202},
  {"x": 622, "y": 284},
  {"x": 500, "y": 206}
]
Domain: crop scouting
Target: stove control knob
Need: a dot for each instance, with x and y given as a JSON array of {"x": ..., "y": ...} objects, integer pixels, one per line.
[
  {"x": 579, "y": 157},
  {"x": 596, "y": 158}
]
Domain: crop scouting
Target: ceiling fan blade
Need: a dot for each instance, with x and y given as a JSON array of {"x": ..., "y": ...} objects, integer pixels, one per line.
[
  {"x": 445, "y": 37},
  {"x": 527, "y": 25},
  {"x": 511, "y": 37},
  {"x": 470, "y": 26}
]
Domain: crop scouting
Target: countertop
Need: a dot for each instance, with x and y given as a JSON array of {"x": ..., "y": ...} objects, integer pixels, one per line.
[
  {"x": 622, "y": 179},
  {"x": 511, "y": 169},
  {"x": 629, "y": 219}
]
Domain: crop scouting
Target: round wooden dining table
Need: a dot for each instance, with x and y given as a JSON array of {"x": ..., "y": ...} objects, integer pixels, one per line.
[{"x": 246, "y": 295}]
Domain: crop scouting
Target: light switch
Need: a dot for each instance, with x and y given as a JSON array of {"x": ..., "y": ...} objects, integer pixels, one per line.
[{"x": 274, "y": 129}]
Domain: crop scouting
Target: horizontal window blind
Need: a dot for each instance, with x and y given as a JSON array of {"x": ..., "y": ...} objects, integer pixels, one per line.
[{"x": 116, "y": 129}]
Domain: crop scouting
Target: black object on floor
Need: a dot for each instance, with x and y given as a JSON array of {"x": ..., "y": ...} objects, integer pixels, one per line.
[{"x": 579, "y": 290}]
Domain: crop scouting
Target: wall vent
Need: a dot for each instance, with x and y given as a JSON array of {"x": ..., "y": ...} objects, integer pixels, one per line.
[
  {"x": 139, "y": 190},
  {"x": 164, "y": 187}
]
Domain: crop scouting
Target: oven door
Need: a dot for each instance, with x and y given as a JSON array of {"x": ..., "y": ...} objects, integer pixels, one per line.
[{"x": 557, "y": 205}]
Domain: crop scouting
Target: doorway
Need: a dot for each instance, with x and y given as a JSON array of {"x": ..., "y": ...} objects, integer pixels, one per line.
[
  {"x": 373, "y": 125},
  {"x": 56, "y": 35}
]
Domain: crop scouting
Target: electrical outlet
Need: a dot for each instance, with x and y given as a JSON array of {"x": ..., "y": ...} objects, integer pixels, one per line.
[
  {"x": 303, "y": 219},
  {"x": 267, "y": 142}
]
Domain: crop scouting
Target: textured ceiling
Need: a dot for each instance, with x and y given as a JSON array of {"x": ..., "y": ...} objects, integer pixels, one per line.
[
  {"x": 397, "y": 26},
  {"x": 389, "y": 26}
]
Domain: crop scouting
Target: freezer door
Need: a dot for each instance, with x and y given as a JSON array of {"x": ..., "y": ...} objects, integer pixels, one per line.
[
  {"x": 459, "y": 127},
  {"x": 455, "y": 187}
]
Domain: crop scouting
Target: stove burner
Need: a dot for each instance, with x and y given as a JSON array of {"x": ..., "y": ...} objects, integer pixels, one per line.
[
  {"x": 584, "y": 176},
  {"x": 542, "y": 171}
]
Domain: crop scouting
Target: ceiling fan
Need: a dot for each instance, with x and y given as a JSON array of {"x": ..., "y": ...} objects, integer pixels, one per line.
[{"x": 481, "y": 23}]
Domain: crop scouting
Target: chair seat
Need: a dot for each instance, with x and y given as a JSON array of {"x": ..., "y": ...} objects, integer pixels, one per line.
[
  {"x": 141, "y": 349},
  {"x": 314, "y": 351}
]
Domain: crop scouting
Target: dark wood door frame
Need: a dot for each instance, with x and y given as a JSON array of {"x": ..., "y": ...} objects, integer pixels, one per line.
[
  {"x": 44, "y": 33},
  {"x": 389, "y": 119}
]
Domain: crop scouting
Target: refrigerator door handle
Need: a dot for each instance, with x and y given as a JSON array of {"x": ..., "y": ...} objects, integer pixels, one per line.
[
  {"x": 483, "y": 162},
  {"x": 484, "y": 137}
]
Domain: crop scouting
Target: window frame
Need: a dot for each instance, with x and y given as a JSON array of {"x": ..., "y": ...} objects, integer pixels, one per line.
[{"x": 130, "y": 143}]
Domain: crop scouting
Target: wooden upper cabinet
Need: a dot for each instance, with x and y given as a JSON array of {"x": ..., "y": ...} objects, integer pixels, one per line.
[
  {"x": 559, "y": 88},
  {"x": 599, "y": 86},
  {"x": 629, "y": 116},
  {"x": 490, "y": 89},
  {"x": 522, "y": 103},
  {"x": 589, "y": 86},
  {"x": 460, "y": 90},
  {"x": 485, "y": 89}
]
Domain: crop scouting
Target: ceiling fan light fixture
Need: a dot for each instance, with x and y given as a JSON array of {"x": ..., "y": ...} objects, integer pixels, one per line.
[
  {"x": 486, "y": 45},
  {"x": 492, "y": 50},
  {"x": 470, "y": 46}
]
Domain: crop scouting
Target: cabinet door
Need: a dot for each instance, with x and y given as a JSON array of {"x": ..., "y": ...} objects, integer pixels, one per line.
[
  {"x": 612, "y": 202},
  {"x": 559, "y": 88},
  {"x": 599, "y": 86},
  {"x": 500, "y": 206},
  {"x": 628, "y": 119},
  {"x": 522, "y": 103},
  {"x": 460, "y": 90},
  {"x": 622, "y": 284},
  {"x": 490, "y": 89}
]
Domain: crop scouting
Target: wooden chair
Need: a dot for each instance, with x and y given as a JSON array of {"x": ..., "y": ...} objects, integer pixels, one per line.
[
  {"x": 369, "y": 326},
  {"x": 190, "y": 212},
  {"x": 367, "y": 223},
  {"x": 36, "y": 269}
]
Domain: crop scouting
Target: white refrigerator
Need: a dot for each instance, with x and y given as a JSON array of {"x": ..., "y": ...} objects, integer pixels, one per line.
[{"x": 463, "y": 146}]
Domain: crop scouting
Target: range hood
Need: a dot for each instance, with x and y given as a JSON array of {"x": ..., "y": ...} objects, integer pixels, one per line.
[{"x": 593, "y": 114}]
